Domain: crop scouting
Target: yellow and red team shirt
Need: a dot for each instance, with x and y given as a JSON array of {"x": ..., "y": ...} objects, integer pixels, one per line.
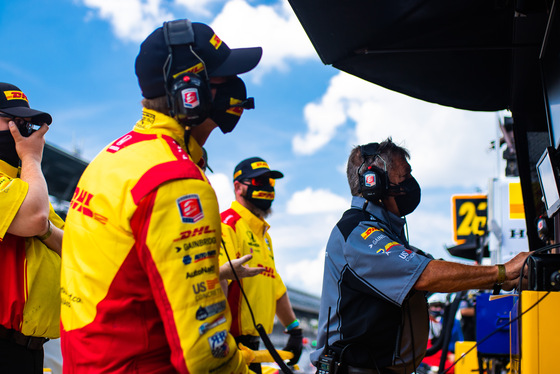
[
  {"x": 140, "y": 285},
  {"x": 29, "y": 270},
  {"x": 244, "y": 233}
]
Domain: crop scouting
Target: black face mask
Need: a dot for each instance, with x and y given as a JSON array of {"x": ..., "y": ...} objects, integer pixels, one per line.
[
  {"x": 8, "y": 148},
  {"x": 227, "y": 105},
  {"x": 408, "y": 195},
  {"x": 261, "y": 196}
]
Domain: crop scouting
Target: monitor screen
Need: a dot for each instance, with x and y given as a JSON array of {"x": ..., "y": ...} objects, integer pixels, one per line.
[{"x": 548, "y": 177}]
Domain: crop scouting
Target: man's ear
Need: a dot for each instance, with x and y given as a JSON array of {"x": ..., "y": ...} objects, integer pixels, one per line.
[{"x": 239, "y": 188}]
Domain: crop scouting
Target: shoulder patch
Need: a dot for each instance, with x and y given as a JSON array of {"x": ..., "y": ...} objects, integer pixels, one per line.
[
  {"x": 190, "y": 208},
  {"x": 230, "y": 218}
]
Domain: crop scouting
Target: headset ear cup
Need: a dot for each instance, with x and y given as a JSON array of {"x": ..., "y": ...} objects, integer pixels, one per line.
[
  {"x": 374, "y": 183},
  {"x": 192, "y": 99}
]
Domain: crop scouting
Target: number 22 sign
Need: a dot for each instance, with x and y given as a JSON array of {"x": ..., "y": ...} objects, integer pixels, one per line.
[{"x": 470, "y": 215}]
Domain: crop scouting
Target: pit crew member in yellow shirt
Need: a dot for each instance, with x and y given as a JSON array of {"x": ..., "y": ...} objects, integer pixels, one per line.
[
  {"x": 245, "y": 231},
  {"x": 140, "y": 283}
]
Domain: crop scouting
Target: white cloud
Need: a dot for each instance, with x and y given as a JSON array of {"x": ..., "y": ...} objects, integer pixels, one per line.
[
  {"x": 131, "y": 20},
  {"x": 307, "y": 274},
  {"x": 224, "y": 189},
  {"x": 448, "y": 146},
  {"x": 275, "y": 28},
  {"x": 316, "y": 201}
]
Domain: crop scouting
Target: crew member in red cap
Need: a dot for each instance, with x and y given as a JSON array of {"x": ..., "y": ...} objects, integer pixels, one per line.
[
  {"x": 245, "y": 231},
  {"x": 140, "y": 284},
  {"x": 30, "y": 238}
]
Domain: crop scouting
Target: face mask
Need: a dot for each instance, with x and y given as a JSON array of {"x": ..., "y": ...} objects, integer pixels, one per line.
[
  {"x": 8, "y": 149},
  {"x": 228, "y": 94},
  {"x": 260, "y": 196},
  {"x": 409, "y": 198}
]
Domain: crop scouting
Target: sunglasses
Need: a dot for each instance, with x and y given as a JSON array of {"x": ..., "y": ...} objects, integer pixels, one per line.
[
  {"x": 260, "y": 181},
  {"x": 25, "y": 128}
]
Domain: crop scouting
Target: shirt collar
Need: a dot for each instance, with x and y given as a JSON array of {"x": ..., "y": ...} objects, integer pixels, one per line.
[
  {"x": 255, "y": 223},
  {"x": 379, "y": 212},
  {"x": 153, "y": 121}
]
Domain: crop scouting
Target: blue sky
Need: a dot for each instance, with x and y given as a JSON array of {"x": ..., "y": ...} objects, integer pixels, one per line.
[{"x": 75, "y": 60}]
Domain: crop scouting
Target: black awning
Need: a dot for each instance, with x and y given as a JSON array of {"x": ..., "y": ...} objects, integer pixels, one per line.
[{"x": 454, "y": 53}]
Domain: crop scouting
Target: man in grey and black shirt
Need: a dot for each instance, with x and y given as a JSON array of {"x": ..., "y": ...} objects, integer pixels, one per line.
[{"x": 373, "y": 303}]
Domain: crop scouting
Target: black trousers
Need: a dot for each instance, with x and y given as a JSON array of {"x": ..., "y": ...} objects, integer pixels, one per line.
[
  {"x": 251, "y": 342},
  {"x": 17, "y": 359}
]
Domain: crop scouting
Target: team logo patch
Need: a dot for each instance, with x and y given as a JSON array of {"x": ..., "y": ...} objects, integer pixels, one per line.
[
  {"x": 190, "y": 208},
  {"x": 204, "y": 312},
  {"x": 369, "y": 180},
  {"x": 368, "y": 232},
  {"x": 190, "y": 98},
  {"x": 215, "y": 41},
  {"x": 218, "y": 344},
  {"x": 259, "y": 164},
  {"x": 15, "y": 95}
]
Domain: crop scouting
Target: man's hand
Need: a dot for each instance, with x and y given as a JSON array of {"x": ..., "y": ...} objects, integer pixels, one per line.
[
  {"x": 29, "y": 149},
  {"x": 513, "y": 270},
  {"x": 294, "y": 345},
  {"x": 241, "y": 271}
]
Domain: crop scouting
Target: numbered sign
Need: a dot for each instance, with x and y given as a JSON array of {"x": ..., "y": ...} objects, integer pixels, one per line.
[{"x": 470, "y": 215}]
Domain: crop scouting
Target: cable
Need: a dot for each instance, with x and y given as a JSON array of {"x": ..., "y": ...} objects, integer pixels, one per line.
[
  {"x": 259, "y": 327},
  {"x": 495, "y": 331}
]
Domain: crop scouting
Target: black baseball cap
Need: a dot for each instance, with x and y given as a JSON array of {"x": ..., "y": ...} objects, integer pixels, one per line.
[
  {"x": 254, "y": 167},
  {"x": 15, "y": 103},
  {"x": 219, "y": 60}
]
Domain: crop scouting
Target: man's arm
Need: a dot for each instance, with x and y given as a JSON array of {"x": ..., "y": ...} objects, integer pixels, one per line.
[
  {"x": 284, "y": 310},
  {"x": 286, "y": 315},
  {"x": 444, "y": 276},
  {"x": 54, "y": 241},
  {"x": 32, "y": 216}
]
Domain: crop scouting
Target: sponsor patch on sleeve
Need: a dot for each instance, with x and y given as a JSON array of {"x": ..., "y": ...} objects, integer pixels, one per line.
[
  {"x": 190, "y": 208},
  {"x": 369, "y": 231},
  {"x": 218, "y": 344}
]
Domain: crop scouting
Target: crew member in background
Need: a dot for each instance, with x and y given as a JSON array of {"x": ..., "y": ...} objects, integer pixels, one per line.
[
  {"x": 140, "y": 283},
  {"x": 373, "y": 303},
  {"x": 30, "y": 238},
  {"x": 245, "y": 231}
]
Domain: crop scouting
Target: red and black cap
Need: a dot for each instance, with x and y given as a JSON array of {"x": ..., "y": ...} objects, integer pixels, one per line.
[
  {"x": 14, "y": 103},
  {"x": 218, "y": 59},
  {"x": 254, "y": 167}
]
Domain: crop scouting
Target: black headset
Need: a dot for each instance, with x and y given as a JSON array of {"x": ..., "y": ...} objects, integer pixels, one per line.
[
  {"x": 374, "y": 182},
  {"x": 189, "y": 96}
]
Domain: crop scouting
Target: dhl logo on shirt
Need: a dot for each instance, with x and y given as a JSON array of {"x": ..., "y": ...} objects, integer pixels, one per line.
[
  {"x": 388, "y": 247},
  {"x": 15, "y": 95},
  {"x": 194, "y": 232},
  {"x": 268, "y": 271},
  {"x": 215, "y": 41},
  {"x": 264, "y": 195},
  {"x": 193, "y": 69},
  {"x": 81, "y": 203},
  {"x": 369, "y": 231},
  {"x": 259, "y": 164}
]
